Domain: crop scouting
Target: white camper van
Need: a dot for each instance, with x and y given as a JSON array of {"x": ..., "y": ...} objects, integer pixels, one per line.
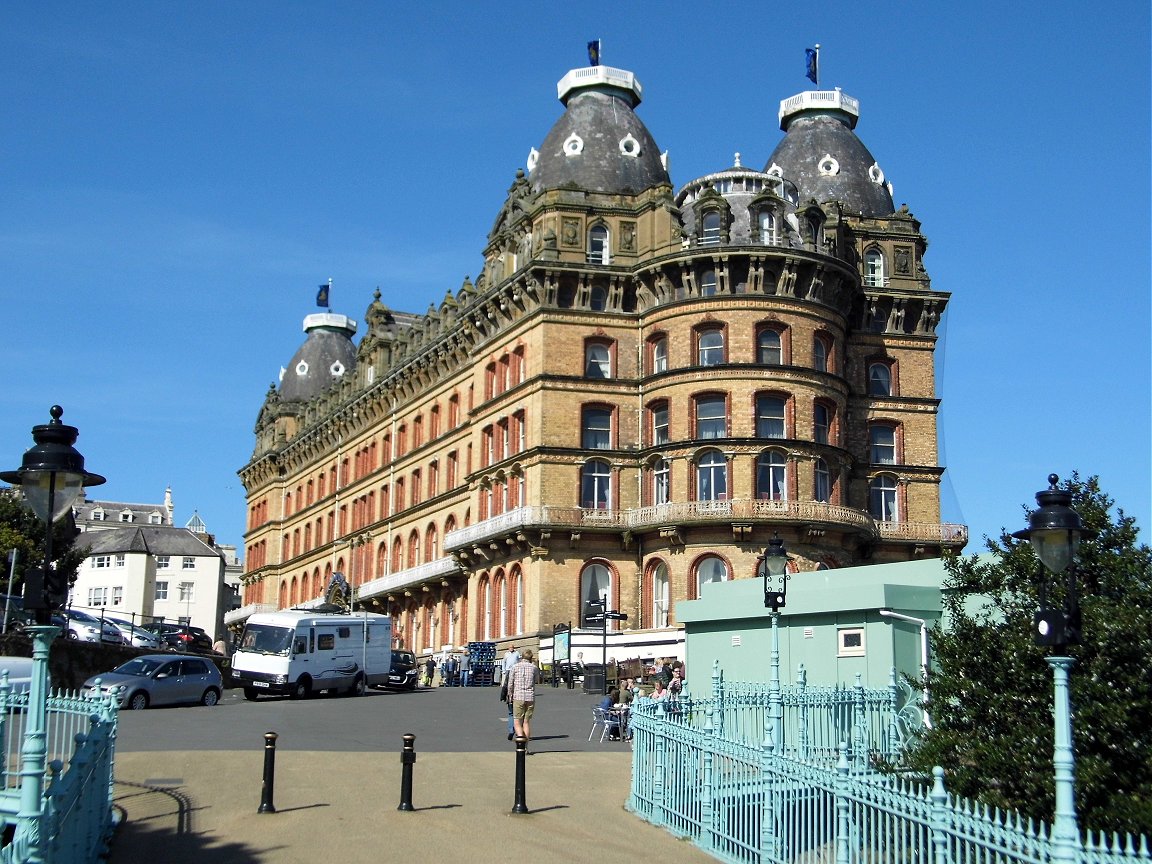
[{"x": 299, "y": 652}]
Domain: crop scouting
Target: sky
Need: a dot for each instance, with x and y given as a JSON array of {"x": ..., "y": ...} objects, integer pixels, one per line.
[{"x": 176, "y": 179}]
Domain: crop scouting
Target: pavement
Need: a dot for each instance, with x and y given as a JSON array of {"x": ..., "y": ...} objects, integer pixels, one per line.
[{"x": 179, "y": 806}]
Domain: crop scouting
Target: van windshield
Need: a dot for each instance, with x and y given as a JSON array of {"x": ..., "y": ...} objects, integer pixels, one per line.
[{"x": 266, "y": 639}]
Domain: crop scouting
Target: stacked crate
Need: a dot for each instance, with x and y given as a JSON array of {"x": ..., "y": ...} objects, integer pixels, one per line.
[{"x": 483, "y": 659}]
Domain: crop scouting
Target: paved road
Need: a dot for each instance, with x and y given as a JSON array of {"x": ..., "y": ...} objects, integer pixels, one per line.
[{"x": 188, "y": 783}]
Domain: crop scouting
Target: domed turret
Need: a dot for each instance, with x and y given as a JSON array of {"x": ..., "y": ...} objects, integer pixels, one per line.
[
  {"x": 746, "y": 194},
  {"x": 326, "y": 356},
  {"x": 822, "y": 155},
  {"x": 599, "y": 144}
]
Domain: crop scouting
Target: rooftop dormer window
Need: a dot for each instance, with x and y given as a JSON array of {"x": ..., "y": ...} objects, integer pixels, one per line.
[{"x": 598, "y": 245}]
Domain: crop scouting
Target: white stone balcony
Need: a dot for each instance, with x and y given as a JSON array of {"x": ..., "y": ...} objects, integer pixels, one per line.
[
  {"x": 402, "y": 579},
  {"x": 946, "y": 534}
]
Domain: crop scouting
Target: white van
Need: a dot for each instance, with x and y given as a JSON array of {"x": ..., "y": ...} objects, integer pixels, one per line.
[{"x": 299, "y": 652}]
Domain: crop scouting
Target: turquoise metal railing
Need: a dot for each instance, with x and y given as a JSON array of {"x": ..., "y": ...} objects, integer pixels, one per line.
[
  {"x": 57, "y": 770},
  {"x": 750, "y": 785}
]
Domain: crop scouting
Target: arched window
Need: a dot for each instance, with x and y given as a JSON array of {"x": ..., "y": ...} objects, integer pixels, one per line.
[
  {"x": 874, "y": 269},
  {"x": 710, "y": 569},
  {"x": 658, "y": 412},
  {"x": 772, "y": 476},
  {"x": 822, "y": 482},
  {"x": 822, "y": 416},
  {"x": 882, "y": 444},
  {"x": 517, "y": 580},
  {"x": 596, "y": 485},
  {"x": 710, "y": 346},
  {"x": 660, "y": 595},
  {"x": 661, "y": 482},
  {"x": 598, "y": 298},
  {"x": 413, "y": 549},
  {"x": 769, "y": 347},
  {"x": 708, "y": 283},
  {"x": 821, "y": 353},
  {"x": 770, "y": 413},
  {"x": 597, "y": 360},
  {"x": 710, "y": 225},
  {"x": 659, "y": 355},
  {"x": 882, "y": 499},
  {"x": 397, "y": 555},
  {"x": 879, "y": 379},
  {"x": 598, "y": 245},
  {"x": 712, "y": 477},
  {"x": 431, "y": 544},
  {"x": 595, "y": 589},
  {"x": 596, "y": 428},
  {"x": 767, "y": 222}
]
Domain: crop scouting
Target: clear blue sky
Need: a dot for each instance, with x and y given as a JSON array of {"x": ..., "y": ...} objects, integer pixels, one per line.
[{"x": 177, "y": 178}]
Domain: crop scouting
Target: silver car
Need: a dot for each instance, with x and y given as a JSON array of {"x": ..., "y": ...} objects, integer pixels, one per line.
[
  {"x": 160, "y": 679},
  {"x": 86, "y": 628},
  {"x": 135, "y": 635}
]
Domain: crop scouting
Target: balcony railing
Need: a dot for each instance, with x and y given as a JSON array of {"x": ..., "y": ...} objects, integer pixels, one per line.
[
  {"x": 404, "y": 578},
  {"x": 682, "y": 512}
]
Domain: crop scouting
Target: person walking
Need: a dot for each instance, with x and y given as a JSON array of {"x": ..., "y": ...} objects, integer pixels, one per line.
[
  {"x": 511, "y": 658},
  {"x": 429, "y": 670},
  {"x": 522, "y": 692},
  {"x": 465, "y": 669}
]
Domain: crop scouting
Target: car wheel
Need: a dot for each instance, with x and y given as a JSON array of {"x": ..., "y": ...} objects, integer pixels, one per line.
[
  {"x": 251, "y": 694},
  {"x": 359, "y": 688},
  {"x": 303, "y": 688},
  {"x": 211, "y": 697},
  {"x": 138, "y": 701},
  {"x": 72, "y": 634}
]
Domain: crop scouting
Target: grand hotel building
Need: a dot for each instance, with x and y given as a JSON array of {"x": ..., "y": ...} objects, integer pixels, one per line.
[{"x": 642, "y": 387}]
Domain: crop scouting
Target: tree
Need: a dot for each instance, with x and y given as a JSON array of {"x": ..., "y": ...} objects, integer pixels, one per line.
[
  {"x": 991, "y": 689},
  {"x": 20, "y": 529}
]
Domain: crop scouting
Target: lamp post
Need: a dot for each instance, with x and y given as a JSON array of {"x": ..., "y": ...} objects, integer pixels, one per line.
[
  {"x": 773, "y": 569},
  {"x": 51, "y": 477},
  {"x": 602, "y": 618},
  {"x": 1055, "y": 531}
]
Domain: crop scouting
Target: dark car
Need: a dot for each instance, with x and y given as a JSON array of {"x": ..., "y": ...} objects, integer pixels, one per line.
[
  {"x": 181, "y": 637},
  {"x": 403, "y": 674}
]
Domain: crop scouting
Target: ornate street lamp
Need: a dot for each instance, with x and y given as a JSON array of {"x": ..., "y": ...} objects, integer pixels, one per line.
[
  {"x": 775, "y": 566},
  {"x": 772, "y": 567},
  {"x": 1055, "y": 531},
  {"x": 51, "y": 477}
]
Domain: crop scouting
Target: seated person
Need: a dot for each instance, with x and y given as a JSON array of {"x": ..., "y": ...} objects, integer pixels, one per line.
[
  {"x": 626, "y": 693},
  {"x": 612, "y": 718}
]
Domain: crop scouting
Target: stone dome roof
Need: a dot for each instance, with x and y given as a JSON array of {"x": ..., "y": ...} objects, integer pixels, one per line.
[
  {"x": 598, "y": 144},
  {"x": 822, "y": 155},
  {"x": 326, "y": 356},
  {"x": 739, "y": 187}
]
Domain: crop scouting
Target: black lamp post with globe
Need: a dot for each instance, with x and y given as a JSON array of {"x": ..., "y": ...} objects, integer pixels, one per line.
[{"x": 772, "y": 567}]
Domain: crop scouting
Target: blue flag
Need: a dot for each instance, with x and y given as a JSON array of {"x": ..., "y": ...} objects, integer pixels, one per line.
[
  {"x": 812, "y": 64},
  {"x": 322, "y": 296},
  {"x": 594, "y": 52}
]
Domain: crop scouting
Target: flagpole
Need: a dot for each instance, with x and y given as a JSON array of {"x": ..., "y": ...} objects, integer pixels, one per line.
[{"x": 817, "y": 65}]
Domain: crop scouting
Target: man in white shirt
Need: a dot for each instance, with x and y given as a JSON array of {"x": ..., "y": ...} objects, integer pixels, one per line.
[{"x": 511, "y": 658}]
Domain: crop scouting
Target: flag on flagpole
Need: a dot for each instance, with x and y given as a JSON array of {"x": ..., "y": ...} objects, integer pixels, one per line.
[
  {"x": 322, "y": 295},
  {"x": 594, "y": 52},
  {"x": 812, "y": 64}
]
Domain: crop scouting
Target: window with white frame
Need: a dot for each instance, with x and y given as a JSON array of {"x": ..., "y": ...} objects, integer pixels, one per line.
[
  {"x": 597, "y": 429},
  {"x": 161, "y": 590},
  {"x": 97, "y": 515},
  {"x": 879, "y": 379},
  {"x": 660, "y": 595},
  {"x": 770, "y": 417},
  {"x": 97, "y": 596},
  {"x": 822, "y": 481},
  {"x": 710, "y": 347},
  {"x": 120, "y": 559},
  {"x": 162, "y": 562},
  {"x": 661, "y": 482},
  {"x": 712, "y": 477},
  {"x": 821, "y": 353},
  {"x": 772, "y": 476},
  {"x": 850, "y": 642},
  {"x": 710, "y": 235},
  {"x": 769, "y": 347},
  {"x": 187, "y": 592},
  {"x": 597, "y": 360},
  {"x": 822, "y": 423},
  {"x": 882, "y": 444},
  {"x": 767, "y": 222},
  {"x": 882, "y": 501},
  {"x": 711, "y": 416},
  {"x": 598, "y": 245},
  {"x": 660, "y": 428},
  {"x": 874, "y": 268},
  {"x": 117, "y": 595},
  {"x": 659, "y": 355},
  {"x": 155, "y": 519},
  {"x": 189, "y": 563},
  {"x": 596, "y": 485},
  {"x": 101, "y": 562}
]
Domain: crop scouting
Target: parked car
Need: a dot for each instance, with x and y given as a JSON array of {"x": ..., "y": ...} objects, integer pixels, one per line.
[
  {"x": 403, "y": 673},
  {"x": 135, "y": 635},
  {"x": 12, "y": 612},
  {"x": 86, "y": 628},
  {"x": 181, "y": 637},
  {"x": 160, "y": 679}
]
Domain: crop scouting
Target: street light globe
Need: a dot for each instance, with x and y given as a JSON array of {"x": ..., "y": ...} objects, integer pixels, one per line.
[{"x": 1054, "y": 528}]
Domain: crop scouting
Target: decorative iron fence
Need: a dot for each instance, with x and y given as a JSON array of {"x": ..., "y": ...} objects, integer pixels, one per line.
[
  {"x": 56, "y": 778},
  {"x": 751, "y": 775}
]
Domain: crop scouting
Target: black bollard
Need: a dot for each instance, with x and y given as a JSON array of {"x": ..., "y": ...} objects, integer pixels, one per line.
[
  {"x": 407, "y": 759},
  {"x": 266, "y": 788},
  {"x": 521, "y": 748}
]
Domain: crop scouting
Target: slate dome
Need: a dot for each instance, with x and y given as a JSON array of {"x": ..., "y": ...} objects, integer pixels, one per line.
[
  {"x": 598, "y": 144},
  {"x": 822, "y": 155},
  {"x": 326, "y": 356}
]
